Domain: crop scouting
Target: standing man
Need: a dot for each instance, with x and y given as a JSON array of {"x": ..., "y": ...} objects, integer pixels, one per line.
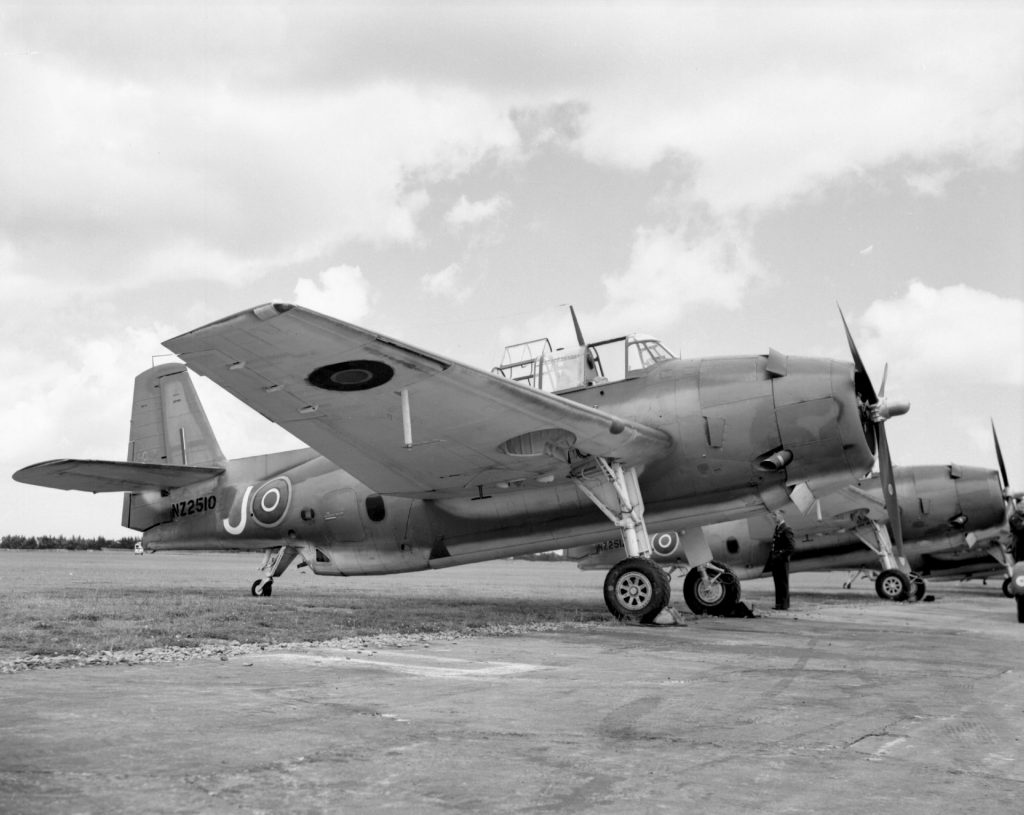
[
  {"x": 782, "y": 548},
  {"x": 1017, "y": 531}
]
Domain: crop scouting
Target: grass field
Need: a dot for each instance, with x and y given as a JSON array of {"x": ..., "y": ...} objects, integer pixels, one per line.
[
  {"x": 64, "y": 603},
  {"x": 60, "y": 602}
]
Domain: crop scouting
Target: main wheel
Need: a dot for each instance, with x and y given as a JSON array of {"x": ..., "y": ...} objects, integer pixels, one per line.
[
  {"x": 262, "y": 589},
  {"x": 717, "y": 595},
  {"x": 892, "y": 584},
  {"x": 1020, "y": 608},
  {"x": 636, "y": 590},
  {"x": 917, "y": 588},
  {"x": 1006, "y": 587}
]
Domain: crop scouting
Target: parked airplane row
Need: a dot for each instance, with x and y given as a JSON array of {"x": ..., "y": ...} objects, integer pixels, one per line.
[{"x": 415, "y": 461}]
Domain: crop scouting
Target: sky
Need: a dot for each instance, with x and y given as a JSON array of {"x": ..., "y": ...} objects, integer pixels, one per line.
[{"x": 719, "y": 174}]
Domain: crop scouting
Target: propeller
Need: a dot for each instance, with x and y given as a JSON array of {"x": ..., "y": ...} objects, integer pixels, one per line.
[
  {"x": 589, "y": 356},
  {"x": 875, "y": 409},
  {"x": 1009, "y": 496}
]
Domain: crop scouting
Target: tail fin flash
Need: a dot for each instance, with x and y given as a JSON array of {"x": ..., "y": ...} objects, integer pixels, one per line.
[{"x": 169, "y": 425}]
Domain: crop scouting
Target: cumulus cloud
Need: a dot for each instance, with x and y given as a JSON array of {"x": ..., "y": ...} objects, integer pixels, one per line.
[
  {"x": 468, "y": 213},
  {"x": 156, "y": 153},
  {"x": 72, "y": 398},
  {"x": 959, "y": 332},
  {"x": 808, "y": 94},
  {"x": 931, "y": 183},
  {"x": 154, "y": 178},
  {"x": 341, "y": 292},
  {"x": 673, "y": 270},
  {"x": 447, "y": 283}
]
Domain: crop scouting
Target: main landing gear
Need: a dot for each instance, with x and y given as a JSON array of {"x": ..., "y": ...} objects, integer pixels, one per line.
[
  {"x": 636, "y": 589},
  {"x": 893, "y": 584},
  {"x": 895, "y": 581},
  {"x": 275, "y": 561},
  {"x": 711, "y": 588}
]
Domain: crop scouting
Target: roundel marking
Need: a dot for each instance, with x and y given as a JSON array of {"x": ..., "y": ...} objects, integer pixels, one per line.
[
  {"x": 665, "y": 543},
  {"x": 271, "y": 502},
  {"x": 351, "y": 375}
]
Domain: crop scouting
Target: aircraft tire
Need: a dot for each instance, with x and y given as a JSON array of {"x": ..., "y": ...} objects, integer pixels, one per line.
[
  {"x": 718, "y": 598},
  {"x": 1006, "y": 587},
  {"x": 636, "y": 590},
  {"x": 918, "y": 588},
  {"x": 262, "y": 591},
  {"x": 1020, "y": 608},
  {"x": 893, "y": 585}
]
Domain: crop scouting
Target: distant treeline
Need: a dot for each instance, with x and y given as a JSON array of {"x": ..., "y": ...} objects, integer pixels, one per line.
[
  {"x": 60, "y": 542},
  {"x": 558, "y": 554}
]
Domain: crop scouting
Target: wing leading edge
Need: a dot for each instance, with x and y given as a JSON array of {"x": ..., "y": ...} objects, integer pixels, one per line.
[{"x": 401, "y": 420}]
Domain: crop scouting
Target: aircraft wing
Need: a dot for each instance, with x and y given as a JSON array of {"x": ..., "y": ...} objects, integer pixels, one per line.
[
  {"x": 112, "y": 476},
  {"x": 399, "y": 419}
]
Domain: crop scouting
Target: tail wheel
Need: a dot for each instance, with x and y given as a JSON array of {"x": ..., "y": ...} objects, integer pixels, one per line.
[
  {"x": 718, "y": 594},
  {"x": 892, "y": 584},
  {"x": 262, "y": 588},
  {"x": 636, "y": 590}
]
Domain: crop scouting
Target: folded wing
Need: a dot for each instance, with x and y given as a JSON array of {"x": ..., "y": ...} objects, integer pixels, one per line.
[{"x": 401, "y": 420}]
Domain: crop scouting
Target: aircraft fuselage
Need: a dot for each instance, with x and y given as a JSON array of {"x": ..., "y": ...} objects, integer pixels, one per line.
[{"x": 743, "y": 437}]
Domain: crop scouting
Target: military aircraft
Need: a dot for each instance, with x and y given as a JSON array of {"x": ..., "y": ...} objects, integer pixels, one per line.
[{"x": 415, "y": 461}]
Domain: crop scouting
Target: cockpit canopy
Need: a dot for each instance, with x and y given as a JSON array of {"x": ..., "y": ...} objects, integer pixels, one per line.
[{"x": 536, "y": 364}]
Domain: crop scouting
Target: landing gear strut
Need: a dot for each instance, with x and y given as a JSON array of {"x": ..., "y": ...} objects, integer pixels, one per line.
[
  {"x": 275, "y": 561},
  {"x": 635, "y": 589}
]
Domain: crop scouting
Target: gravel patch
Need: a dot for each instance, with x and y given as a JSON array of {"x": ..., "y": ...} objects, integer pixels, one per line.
[{"x": 225, "y": 651}]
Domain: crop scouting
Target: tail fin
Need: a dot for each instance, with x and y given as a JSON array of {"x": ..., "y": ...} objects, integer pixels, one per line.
[{"x": 169, "y": 426}]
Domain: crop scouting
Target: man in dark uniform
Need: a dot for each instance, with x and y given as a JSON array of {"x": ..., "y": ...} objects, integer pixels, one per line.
[
  {"x": 782, "y": 548},
  {"x": 1017, "y": 530}
]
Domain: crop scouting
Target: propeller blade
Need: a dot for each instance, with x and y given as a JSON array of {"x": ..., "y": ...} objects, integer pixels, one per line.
[
  {"x": 999, "y": 456},
  {"x": 892, "y": 504},
  {"x": 885, "y": 376},
  {"x": 862, "y": 381},
  {"x": 576, "y": 324}
]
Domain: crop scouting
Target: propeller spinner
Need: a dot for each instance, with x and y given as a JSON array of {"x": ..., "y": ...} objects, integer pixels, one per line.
[{"x": 875, "y": 409}]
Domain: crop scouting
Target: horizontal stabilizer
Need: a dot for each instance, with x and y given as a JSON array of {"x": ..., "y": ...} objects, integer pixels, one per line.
[{"x": 112, "y": 476}]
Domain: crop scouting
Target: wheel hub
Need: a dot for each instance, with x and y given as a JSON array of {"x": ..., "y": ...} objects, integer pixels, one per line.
[
  {"x": 634, "y": 590},
  {"x": 710, "y": 593}
]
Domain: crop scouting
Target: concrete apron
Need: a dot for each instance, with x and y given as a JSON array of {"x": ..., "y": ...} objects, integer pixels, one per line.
[{"x": 910, "y": 708}]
